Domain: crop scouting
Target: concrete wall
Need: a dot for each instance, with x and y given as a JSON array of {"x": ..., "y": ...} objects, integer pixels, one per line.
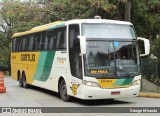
[{"x": 149, "y": 86}]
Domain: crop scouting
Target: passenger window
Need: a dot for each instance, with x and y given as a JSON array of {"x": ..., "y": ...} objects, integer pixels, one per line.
[
  {"x": 37, "y": 41},
  {"x": 42, "y": 41},
  {"x": 23, "y": 44},
  {"x": 20, "y": 44},
  {"x": 51, "y": 39},
  {"x": 27, "y": 39},
  {"x": 62, "y": 41},
  {"x": 17, "y": 44},
  {"x": 31, "y": 43},
  {"x": 14, "y": 44}
]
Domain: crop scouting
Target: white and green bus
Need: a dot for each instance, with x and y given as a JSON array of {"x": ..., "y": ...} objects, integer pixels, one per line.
[{"x": 82, "y": 58}]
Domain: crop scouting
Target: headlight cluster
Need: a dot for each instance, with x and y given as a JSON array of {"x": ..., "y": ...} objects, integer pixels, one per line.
[
  {"x": 90, "y": 83},
  {"x": 136, "y": 82}
]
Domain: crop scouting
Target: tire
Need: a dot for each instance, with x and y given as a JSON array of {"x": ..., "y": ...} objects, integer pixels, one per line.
[
  {"x": 63, "y": 91},
  {"x": 20, "y": 80},
  {"x": 25, "y": 85}
]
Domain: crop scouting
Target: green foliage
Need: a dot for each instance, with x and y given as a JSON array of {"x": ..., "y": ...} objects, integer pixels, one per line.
[
  {"x": 145, "y": 15},
  {"x": 4, "y": 51},
  {"x": 16, "y": 16},
  {"x": 155, "y": 48},
  {"x": 68, "y": 9}
]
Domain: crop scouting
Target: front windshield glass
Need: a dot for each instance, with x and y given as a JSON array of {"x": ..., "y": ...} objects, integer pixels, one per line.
[
  {"x": 126, "y": 58},
  {"x": 99, "y": 60},
  {"x": 111, "y": 59}
]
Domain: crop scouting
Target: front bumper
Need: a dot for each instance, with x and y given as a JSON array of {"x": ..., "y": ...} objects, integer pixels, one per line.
[{"x": 99, "y": 93}]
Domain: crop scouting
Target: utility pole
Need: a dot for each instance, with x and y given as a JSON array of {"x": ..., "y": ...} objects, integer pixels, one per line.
[{"x": 128, "y": 11}]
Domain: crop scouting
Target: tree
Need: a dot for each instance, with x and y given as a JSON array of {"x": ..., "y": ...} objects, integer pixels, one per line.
[
  {"x": 146, "y": 19},
  {"x": 71, "y": 9},
  {"x": 128, "y": 11},
  {"x": 4, "y": 51},
  {"x": 155, "y": 47},
  {"x": 17, "y": 16}
]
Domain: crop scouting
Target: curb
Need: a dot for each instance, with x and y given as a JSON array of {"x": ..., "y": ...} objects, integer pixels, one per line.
[{"x": 149, "y": 95}]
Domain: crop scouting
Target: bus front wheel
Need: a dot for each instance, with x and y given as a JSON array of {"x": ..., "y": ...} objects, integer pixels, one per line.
[{"x": 63, "y": 91}]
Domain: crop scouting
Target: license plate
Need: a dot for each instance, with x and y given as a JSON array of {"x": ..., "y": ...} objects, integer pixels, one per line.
[{"x": 115, "y": 93}]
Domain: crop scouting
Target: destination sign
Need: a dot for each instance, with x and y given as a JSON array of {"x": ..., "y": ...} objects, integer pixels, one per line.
[{"x": 98, "y": 71}]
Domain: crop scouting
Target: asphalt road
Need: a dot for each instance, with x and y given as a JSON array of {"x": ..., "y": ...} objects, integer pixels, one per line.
[{"x": 16, "y": 96}]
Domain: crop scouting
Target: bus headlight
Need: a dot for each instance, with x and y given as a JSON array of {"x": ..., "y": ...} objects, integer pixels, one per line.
[
  {"x": 90, "y": 83},
  {"x": 136, "y": 82}
]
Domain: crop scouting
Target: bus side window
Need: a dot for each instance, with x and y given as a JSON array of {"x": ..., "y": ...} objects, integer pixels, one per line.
[
  {"x": 14, "y": 44},
  {"x": 20, "y": 44},
  {"x": 17, "y": 44},
  {"x": 61, "y": 38},
  {"x": 37, "y": 41},
  {"x": 31, "y": 43},
  {"x": 59, "y": 34},
  {"x": 42, "y": 41},
  {"x": 46, "y": 45},
  {"x": 27, "y": 38},
  {"x": 51, "y": 39},
  {"x": 23, "y": 43},
  {"x": 55, "y": 34}
]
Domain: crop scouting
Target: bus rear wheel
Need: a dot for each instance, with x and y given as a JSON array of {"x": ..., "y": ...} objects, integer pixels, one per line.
[
  {"x": 20, "y": 80},
  {"x": 63, "y": 91},
  {"x": 25, "y": 85}
]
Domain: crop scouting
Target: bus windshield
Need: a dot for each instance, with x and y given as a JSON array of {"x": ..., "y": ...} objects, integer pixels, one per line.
[
  {"x": 111, "y": 59},
  {"x": 111, "y": 50}
]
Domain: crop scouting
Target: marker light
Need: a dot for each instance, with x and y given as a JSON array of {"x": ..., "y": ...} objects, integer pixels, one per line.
[
  {"x": 92, "y": 84},
  {"x": 97, "y": 17},
  {"x": 136, "y": 82}
]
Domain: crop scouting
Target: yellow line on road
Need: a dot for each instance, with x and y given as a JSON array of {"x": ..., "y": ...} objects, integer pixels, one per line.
[{"x": 150, "y": 95}]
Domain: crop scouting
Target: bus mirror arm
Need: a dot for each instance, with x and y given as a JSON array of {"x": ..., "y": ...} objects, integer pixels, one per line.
[
  {"x": 146, "y": 46},
  {"x": 82, "y": 40}
]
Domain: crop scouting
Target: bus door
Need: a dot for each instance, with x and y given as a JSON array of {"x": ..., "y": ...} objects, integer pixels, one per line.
[{"x": 75, "y": 60}]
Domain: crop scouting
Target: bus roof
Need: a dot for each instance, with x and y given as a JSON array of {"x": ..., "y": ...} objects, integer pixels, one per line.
[
  {"x": 98, "y": 21},
  {"x": 75, "y": 21},
  {"x": 41, "y": 28}
]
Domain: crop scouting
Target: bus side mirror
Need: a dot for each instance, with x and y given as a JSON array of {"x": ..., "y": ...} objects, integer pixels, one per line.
[
  {"x": 82, "y": 40},
  {"x": 144, "y": 46}
]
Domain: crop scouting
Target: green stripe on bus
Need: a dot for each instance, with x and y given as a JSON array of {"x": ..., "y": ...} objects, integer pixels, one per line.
[
  {"x": 127, "y": 81},
  {"x": 40, "y": 65},
  {"x": 56, "y": 25},
  {"x": 119, "y": 82},
  {"x": 48, "y": 65}
]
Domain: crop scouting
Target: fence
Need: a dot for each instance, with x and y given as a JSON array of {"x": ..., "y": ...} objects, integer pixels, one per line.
[{"x": 150, "y": 69}]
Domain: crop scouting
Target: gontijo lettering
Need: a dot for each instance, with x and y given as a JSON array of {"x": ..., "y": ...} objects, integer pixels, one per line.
[{"x": 27, "y": 57}]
